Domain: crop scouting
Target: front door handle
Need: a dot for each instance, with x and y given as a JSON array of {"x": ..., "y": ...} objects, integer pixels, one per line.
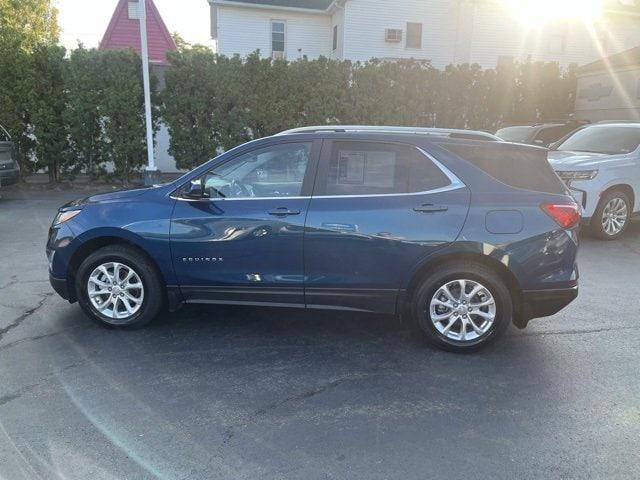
[
  {"x": 283, "y": 212},
  {"x": 429, "y": 208}
]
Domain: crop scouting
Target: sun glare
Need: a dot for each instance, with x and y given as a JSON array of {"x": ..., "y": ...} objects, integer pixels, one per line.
[{"x": 535, "y": 13}]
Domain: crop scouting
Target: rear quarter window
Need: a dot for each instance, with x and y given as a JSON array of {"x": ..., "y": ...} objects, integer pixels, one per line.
[{"x": 525, "y": 168}]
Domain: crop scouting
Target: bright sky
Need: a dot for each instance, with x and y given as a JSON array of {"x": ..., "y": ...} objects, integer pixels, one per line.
[{"x": 87, "y": 20}]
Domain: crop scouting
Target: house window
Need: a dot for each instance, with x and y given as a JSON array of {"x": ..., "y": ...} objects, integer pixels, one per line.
[
  {"x": 134, "y": 11},
  {"x": 414, "y": 35},
  {"x": 557, "y": 44},
  {"x": 278, "y": 32},
  {"x": 335, "y": 37}
]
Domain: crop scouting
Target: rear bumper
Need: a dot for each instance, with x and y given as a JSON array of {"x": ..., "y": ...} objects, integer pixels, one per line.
[
  {"x": 60, "y": 286},
  {"x": 544, "y": 303}
]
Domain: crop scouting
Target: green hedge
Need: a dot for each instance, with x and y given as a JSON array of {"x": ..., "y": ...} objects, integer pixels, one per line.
[
  {"x": 213, "y": 103},
  {"x": 76, "y": 112}
]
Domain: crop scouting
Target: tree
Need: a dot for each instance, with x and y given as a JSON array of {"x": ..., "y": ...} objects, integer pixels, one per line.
[
  {"x": 122, "y": 111},
  {"x": 84, "y": 112},
  {"x": 25, "y": 24},
  {"x": 46, "y": 106}
]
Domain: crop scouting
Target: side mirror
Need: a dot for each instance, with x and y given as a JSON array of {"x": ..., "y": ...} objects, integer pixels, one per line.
[
  {"x": 193, "y": 190},
  {"x": 554, "y": 145}
]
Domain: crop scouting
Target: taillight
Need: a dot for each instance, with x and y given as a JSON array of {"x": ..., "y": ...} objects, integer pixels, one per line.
[{"x": 567, "y": 215}]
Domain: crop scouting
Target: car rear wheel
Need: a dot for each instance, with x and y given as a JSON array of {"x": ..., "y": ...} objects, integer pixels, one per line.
[
  {"x": 612, "y": 216},
  {"x": 119, "y": 287},
  {"x": 462, "y": 306}
]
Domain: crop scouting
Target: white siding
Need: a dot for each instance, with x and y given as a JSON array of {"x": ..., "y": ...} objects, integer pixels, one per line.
[
  {"x": 244, "y": 30},
  {"x": 496, "y": 33},
  {"x": 460, "y": 31},
  {"x": 606, "y": 96},
  {"x": 366, "y": 21}
]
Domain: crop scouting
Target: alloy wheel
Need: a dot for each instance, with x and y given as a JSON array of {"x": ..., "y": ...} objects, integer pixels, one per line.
[
  {"x": 463, "y": 310},
  {"x": 614, "y": 216},
  {"x": 115, "y": 290}
]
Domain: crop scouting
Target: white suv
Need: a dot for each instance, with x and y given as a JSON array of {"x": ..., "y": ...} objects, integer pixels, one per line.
[{"x": 601, "y": 166}]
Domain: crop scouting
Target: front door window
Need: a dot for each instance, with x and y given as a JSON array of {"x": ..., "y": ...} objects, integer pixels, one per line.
[{"x": 272, "y": 172}]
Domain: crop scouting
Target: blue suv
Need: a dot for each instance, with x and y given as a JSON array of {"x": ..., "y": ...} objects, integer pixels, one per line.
[{"x": 454, "y": 230}]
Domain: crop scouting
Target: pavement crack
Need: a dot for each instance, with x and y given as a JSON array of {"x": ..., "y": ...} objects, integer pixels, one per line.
[
  {"x": 12, "y": 281},
  {"x": 575, "y": 331},
  {"x": 229, "y": 432},
  {"x": 25, "y": 315}
]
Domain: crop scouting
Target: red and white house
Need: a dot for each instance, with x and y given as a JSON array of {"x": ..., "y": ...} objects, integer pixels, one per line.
[{"x": 123, "y": 33}]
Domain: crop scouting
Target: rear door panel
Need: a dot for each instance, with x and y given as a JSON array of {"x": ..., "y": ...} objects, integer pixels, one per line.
[{"x": 360, "y": 249}]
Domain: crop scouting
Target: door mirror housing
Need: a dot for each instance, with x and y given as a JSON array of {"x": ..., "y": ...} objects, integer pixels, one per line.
[{"x": 193, "y": 190}]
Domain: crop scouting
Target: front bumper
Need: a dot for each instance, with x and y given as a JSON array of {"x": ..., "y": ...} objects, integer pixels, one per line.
[
  {"x": 544, "y": 303},
  {"x": 60, "y": 286},
  {"x": 9, "y": 177}
]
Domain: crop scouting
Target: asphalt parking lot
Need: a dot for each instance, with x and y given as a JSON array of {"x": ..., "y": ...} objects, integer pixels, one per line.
[{"x": 237, "y": 393}]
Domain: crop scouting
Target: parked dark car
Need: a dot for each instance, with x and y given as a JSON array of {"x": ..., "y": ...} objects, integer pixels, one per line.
[
  {"x": 9, "y": 167},
  {"x": 457, "y": 232},
  {"x": 540, "y": 134}
]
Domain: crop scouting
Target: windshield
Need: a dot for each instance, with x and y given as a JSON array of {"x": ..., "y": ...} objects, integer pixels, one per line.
[
  {"x": 603, "y": 139},
  {"x": 515, "y": 134}
]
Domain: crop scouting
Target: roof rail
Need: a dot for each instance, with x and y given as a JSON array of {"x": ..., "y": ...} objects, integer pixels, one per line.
[{"x": 442, "y": 132}]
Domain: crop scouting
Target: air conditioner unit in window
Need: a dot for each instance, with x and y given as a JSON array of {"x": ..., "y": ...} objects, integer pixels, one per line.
[
  {"x": 278, "y": 55},
  {"x": 393, "y": 35}
]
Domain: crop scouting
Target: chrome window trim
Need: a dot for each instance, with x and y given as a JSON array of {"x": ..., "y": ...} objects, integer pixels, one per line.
[{"x": 455, "y": 184}]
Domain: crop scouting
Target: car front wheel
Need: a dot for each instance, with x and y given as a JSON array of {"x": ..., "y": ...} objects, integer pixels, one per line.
[
  {"x": 119, "y": 287},
  {"x": 612, "y": 216},
  {"x": 463, "y": 306}
]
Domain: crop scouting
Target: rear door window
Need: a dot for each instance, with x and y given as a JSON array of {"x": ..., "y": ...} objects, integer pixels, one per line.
[
  {"x": 517, "y": 166},
  {"x": 376, "y": 168}
]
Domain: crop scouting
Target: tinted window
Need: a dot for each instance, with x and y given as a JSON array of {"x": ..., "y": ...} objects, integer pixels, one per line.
[
  {"x": 520, "y": 167},
  {"x": 515, "y": 134},
  {"x": 548, "y": 135},
  {"x": 368, "y": 168},
  {"x": 276, "y": 171},
  {"x": 603, "y": 139}
]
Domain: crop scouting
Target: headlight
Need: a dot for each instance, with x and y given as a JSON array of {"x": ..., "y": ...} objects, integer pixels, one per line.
[
  {"x": 63, "y": 217},
  {"x": 568, "y": 176}
]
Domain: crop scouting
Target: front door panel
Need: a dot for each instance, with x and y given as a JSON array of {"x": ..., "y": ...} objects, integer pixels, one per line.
[
  {"x": 241, "y": 241},
  {"x": 234, "y": 250}
]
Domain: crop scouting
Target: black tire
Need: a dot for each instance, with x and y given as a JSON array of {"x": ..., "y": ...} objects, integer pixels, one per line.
[
  {"x": 462, "y": 270},
  {"x": 597, "y": 221},
  {"x": 154, "y": 289}
]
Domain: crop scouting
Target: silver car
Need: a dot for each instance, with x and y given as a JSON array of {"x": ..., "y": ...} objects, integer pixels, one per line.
[{"x": 601, "y": 166}]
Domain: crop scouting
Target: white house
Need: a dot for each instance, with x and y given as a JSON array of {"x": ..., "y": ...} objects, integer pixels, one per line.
[{"x": 443, "y": 31}]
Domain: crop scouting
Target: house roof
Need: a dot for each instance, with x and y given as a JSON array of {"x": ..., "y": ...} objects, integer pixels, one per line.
[
  {"x": 304, "y": 4},
  {"x": 123, "y": 33},
  {"x": 628, "y": 58}
]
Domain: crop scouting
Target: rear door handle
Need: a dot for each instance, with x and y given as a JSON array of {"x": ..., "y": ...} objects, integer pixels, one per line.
[
  {"x": 283, "y": 212},
  {"x": 429, "y": 208}
]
